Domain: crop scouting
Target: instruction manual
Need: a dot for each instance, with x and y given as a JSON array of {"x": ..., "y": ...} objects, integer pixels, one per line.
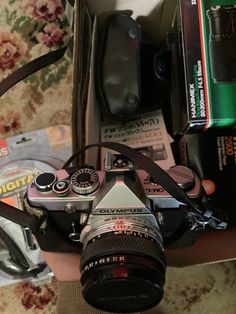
[{"x": 146, "y": 132}]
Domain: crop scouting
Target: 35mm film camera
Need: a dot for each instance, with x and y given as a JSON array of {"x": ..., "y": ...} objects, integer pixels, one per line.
[{"x": 120, "y": 220}]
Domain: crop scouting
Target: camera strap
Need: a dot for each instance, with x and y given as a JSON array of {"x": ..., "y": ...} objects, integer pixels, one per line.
[
  {"x": 31, "y": 67},
  {"x": 80, "y": 44},
  {"x": 204, "y": 214},
  {"x": 20, "y": 217},
  {"x": 7, "y": 211},
  {"x": 35, "y": 65},
  {"x": 39, "y": 63}
]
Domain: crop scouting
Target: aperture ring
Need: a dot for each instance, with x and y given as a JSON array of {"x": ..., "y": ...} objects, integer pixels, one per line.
[{"x": 122, "y": 244}]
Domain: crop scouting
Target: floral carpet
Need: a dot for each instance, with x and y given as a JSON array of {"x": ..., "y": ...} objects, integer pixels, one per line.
[
  {"x": 28, "y": 29},
  {"x": 208, "y": 289}
]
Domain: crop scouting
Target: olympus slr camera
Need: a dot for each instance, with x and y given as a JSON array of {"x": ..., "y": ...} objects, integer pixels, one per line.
[{"x": 120, "y": 220}]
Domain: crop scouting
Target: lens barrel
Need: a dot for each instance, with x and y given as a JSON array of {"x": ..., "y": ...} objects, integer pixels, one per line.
[
  {"x": 122, "y": 273},
  {"x": 222, "y": 43}
]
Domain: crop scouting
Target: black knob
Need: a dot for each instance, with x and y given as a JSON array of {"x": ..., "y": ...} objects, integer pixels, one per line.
[{"x": 45, "y": 181}]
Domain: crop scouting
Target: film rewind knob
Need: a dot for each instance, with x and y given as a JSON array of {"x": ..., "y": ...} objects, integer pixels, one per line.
[{"x": 45, "y": 181}]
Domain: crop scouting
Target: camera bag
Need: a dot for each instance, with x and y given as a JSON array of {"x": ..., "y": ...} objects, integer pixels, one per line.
[
  {"x": 131, "y": 71},
  {"x": 118, "y": 74}
]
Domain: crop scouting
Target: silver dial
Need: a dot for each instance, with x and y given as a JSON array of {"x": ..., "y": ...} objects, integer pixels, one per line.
[
  {"x": 84, "y": 181},
  {"x": 183, "y": 176}
]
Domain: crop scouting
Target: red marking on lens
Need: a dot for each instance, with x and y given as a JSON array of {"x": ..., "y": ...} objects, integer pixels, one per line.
[{"x": 120, "y": 273}]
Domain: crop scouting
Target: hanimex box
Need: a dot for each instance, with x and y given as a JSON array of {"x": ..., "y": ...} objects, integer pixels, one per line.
[{"x": 208, "y": 30}]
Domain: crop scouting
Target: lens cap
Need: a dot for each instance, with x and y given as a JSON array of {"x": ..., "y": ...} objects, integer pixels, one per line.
[{"x": 123, "y": 290}]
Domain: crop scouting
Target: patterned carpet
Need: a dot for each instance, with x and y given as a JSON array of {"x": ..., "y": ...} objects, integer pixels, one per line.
[
  {"x": 29, "y": 28},
  {"x": 208, "y": 289},
  {"x": 23, "y": 298}
]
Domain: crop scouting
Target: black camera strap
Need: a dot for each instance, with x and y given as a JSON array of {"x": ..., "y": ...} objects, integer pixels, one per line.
[
  {"x": 20, "y": 217},
  {"x": 205, "y": 215},
  {"x": 80, "y": 44},
  {"x": 35, "y": 65},
  {"x": 31, "y": 67},
  {"x": 145, "y": 163}
]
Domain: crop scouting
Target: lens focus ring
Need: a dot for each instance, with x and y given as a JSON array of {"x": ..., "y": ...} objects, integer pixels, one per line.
[{"x": 122, "y": 244}]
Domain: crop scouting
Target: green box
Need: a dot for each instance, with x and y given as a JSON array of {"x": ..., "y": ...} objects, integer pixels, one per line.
[{"x": 208, "y": 33}]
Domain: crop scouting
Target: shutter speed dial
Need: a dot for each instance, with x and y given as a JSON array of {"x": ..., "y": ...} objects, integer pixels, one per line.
[{"x": 84, "y": 181}]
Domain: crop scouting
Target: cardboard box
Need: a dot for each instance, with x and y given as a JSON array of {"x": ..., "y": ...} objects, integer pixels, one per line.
[
  {"x": 208, "y": 47},
  {"x": 212, "y": 155},
  {"x": 157, "y": 16}
]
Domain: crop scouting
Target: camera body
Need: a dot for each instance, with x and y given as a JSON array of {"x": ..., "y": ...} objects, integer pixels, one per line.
[
  {"x": 118, "y": 199},
  {"x": 120, "y": 220}
]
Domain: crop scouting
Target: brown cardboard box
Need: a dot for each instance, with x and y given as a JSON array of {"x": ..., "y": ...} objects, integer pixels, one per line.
[{"x": 155, "y": 17}]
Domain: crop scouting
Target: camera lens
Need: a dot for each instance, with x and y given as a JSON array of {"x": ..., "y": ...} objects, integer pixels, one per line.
[
  {"x": 222, "y": 43},
  {"x": 123, "y": 271}
]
